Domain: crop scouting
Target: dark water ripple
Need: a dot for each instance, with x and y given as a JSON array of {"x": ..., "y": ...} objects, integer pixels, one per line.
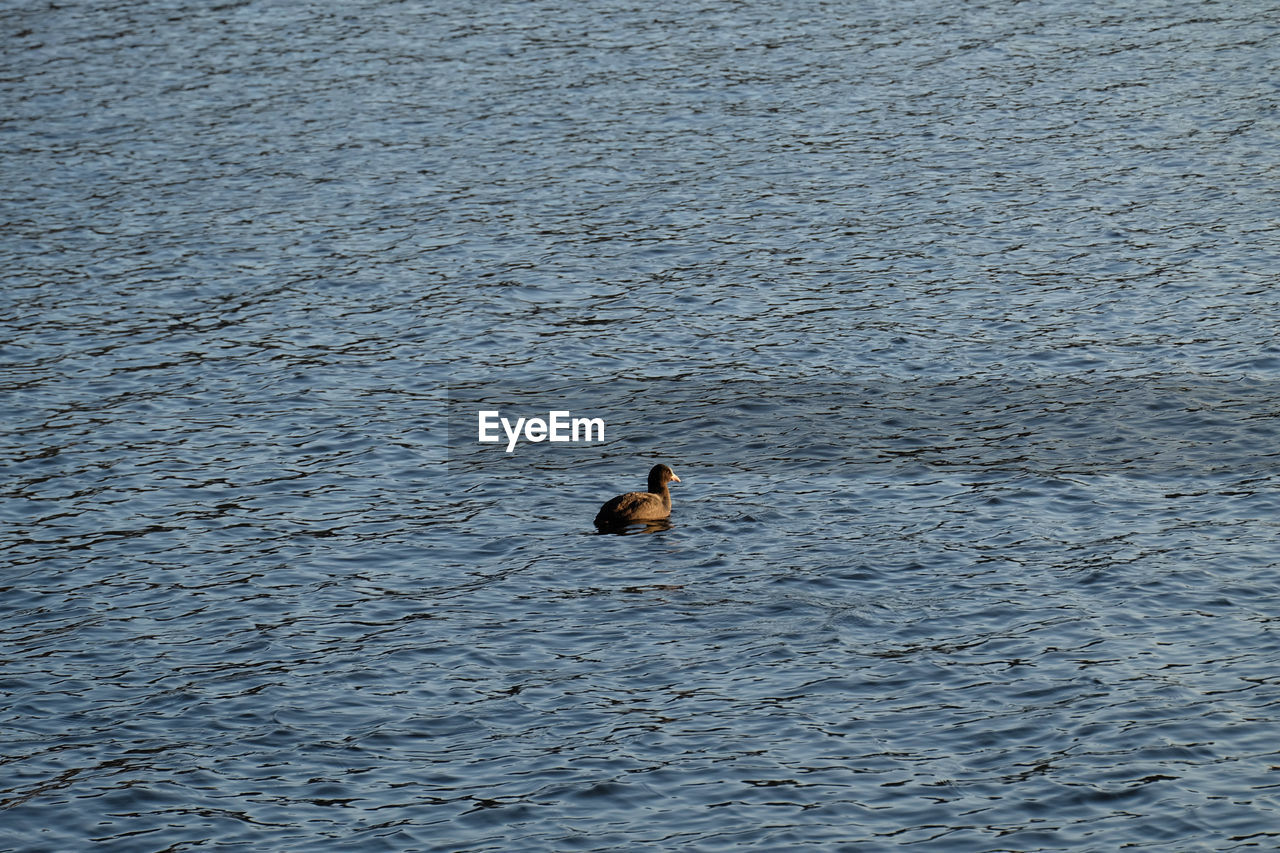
[{"x": 958, "y": 324}]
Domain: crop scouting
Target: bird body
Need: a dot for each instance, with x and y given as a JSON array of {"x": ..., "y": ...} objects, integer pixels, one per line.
[{"x": 653, "y": 505}]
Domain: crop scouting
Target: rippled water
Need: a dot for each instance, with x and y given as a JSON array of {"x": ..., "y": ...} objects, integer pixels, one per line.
[{"x": 957, "y": 321}]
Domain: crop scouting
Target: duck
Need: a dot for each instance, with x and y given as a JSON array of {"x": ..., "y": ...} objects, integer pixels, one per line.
[{"x": 653, "y": 505}]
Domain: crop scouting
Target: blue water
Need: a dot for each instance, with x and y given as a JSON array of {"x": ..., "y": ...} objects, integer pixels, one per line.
[{"x": 957, "y": 322}]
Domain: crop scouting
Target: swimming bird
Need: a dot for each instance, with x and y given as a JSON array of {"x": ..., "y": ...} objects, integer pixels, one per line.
[{"x": 653, "y": 505}]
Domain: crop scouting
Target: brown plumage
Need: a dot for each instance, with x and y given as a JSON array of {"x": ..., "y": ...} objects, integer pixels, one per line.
[{"x": 653, "y": 505}]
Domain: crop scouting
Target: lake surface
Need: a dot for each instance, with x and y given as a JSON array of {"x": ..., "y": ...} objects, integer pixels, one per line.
[{"x": 958, "y": 323}]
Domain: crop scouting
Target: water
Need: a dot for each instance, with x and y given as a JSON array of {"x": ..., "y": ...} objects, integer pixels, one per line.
[{"x": 956, "y": 321}]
